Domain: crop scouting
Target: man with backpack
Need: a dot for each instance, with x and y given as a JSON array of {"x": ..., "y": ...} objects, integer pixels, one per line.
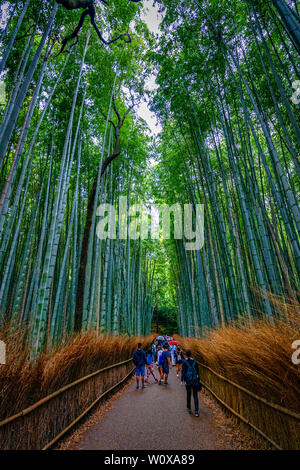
[
  {"x": 190, "y": 377},
  {"x": 139, "y": 359}
]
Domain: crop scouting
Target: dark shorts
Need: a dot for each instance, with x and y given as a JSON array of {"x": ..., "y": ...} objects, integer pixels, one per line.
[
  {"x": 140, "y": 370},
  {"x": 166, "y": 370},
  {"x": 179, "y": 361}
]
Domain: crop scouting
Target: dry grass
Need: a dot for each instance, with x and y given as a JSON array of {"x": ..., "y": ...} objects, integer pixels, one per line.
[
  {"x": 23, "y": 382},
  {"x": 259, "y": 357}
]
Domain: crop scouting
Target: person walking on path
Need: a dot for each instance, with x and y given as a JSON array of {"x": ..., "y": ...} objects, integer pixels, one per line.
[
  {"x": 140, "y": 360},
  {"x": 158, "y": 363},
  {"x": 154, "y": 350},
  {"x": 179, "y": 360},
  {"x": 190, "y": 377},
  {"x": 150, "y": 366},
  {"x": 165, "y": 341},
  {"x": 165, "y": 364},
  {"x": 173, "y": 349}
]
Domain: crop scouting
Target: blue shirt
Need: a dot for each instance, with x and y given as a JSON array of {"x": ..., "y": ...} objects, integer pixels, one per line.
[
  {"x": 163, "y": 360},
  {"x": 139, "y": 358},
  {"x": 149, "y": 359}
]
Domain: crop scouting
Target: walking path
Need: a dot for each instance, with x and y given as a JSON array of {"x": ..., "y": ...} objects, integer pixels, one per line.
[{"x": 155, "y": 419}]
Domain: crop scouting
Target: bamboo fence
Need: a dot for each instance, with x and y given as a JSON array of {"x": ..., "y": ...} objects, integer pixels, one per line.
[
  {"x": 278, "y": 425},
  {"x": 43, "y": 423}
]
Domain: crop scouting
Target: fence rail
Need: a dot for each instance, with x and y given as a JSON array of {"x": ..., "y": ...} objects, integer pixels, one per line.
[
  {"x": 42, "y": 424},
  {"x": 276, "y": 424}
]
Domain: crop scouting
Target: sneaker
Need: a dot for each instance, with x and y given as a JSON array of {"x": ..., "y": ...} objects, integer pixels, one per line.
[
  {"x": 189, "y": 410},
  {"x": 166, "y": 383},
  {"x": 143, "y": 386},
  {"x": 177, "y": 375},
  {"x": 137, "y": 387},
  {"x": 196, "y": 414}
]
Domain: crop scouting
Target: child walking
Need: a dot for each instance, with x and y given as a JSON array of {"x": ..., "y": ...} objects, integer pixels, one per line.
[{"x": 150, "y": 369}]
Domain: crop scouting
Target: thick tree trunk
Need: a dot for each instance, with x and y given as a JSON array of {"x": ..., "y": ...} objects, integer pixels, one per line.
[{"x": 85, "y": 240}]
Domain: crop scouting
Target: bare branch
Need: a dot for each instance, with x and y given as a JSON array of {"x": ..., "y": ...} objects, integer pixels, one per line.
[
  {"x": 89, "y": 9},
  {"x": 115, "y": 109},
  {"x": 74, "y": 34},
  {"x": 28, "y": 33}
]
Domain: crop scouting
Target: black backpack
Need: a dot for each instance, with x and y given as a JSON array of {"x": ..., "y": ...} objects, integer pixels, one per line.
[{"x": 191, "y": 377}]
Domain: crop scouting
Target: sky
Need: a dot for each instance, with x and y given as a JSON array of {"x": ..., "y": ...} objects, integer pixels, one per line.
[
  {"x": 152, "y": 19},
  {"x": 3, "y": 15}
]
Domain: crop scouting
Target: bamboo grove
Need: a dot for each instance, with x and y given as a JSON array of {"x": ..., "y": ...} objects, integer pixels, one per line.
[
  {"x": 227, "y": 74},
  {"x": 58, "y": 132},
  {"x": 71, "y": 139}
]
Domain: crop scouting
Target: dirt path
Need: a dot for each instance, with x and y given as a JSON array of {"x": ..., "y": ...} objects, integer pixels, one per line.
[{"x": 156, "y": 419}]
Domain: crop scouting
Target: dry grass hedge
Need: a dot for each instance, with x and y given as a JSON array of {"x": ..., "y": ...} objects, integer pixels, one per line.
[
  {"x": 24, "y": 382},
  {"x": 259, "y": 357}
]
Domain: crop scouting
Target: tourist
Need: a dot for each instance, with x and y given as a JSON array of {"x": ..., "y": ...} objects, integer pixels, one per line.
[
  {"x": 190, "y": 377},
  {"x": 159, "y": 353},
  {"x": 159, "y": 363},
  {"x": 140, "y": 360},
  {"x": 154, "y": 350},
  {"x": 179, "y": 360},
  {"x": 165, "y": 360},
  {"x": 173, "y": 348},
  {"x": 150, "y": 366}
]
